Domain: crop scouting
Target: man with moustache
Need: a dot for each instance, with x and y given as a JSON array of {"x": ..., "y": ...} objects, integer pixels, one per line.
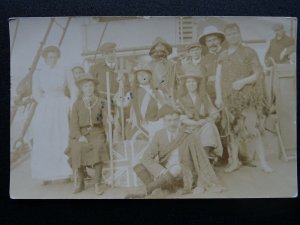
[
  {"x": 163, "y": 70},
  {"x": 212, "y": 39}
]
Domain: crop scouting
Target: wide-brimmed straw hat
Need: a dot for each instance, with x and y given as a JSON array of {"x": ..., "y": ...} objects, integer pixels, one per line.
[{"x": 210, "y": 30}]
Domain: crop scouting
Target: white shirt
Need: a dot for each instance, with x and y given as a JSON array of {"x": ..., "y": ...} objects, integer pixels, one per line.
[{"x": 193, "y": 97}]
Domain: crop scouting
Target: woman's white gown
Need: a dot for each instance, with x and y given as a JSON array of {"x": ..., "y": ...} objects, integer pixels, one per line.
[{"x": 50, "y": 124}]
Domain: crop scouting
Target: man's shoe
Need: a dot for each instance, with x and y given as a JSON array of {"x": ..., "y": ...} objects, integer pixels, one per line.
[{"x": 141, "y": 193}]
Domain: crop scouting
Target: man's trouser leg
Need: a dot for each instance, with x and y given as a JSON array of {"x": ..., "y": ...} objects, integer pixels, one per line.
[
  {"x": 143, "y": 174},
  {"x": 166, "y": 180}
]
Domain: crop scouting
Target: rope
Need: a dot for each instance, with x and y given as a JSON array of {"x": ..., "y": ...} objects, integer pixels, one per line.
[
  {"x": 99, "y": 43},
  {"x": 15, "y": 36}
]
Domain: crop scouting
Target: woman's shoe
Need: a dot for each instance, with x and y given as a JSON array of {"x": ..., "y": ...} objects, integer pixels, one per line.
[{"x": 78, "y": 188}]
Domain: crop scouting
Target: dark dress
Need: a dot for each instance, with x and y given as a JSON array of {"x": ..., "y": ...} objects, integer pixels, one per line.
[{"x": 88, "y": 123}]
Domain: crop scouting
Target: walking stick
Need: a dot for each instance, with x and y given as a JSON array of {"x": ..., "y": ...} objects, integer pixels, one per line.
[
  {"x": 109, "y": 128},
  {"x": 122, "y": 102}
]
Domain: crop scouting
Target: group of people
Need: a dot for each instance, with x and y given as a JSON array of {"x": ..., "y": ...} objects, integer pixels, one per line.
[{"x": 188, "y": 109}]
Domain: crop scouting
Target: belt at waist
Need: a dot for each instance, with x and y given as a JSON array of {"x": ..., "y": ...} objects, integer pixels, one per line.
[{"x": 88, "y": 127}]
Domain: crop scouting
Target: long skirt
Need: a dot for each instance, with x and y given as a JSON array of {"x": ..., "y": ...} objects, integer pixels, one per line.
[
  {"x": 91, "y": 153},
  {"x": 50, "y": 138},
  {"x": 210, "y": 137}
]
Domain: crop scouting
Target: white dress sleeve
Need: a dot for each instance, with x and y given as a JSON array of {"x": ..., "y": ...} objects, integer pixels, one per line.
[{"x": 37, "y": 91}]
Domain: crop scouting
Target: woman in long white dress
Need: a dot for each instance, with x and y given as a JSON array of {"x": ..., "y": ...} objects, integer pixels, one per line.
[{"x": 51, "y": 119}]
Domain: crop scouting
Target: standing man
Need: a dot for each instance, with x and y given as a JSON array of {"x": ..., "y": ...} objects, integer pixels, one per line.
[
  {"x": 108, "y": 51},
  {"x": 279, "y": 45},
  {"x": 163, "y": 69},
  {"x": 99, "y": 70},
  {"x": 212, "y": 39},
  {"x": 240, "y": 90}
]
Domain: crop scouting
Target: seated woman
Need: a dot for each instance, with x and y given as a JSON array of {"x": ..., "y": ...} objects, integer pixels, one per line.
[
  {"x": 88, "y": 141},
  {"x": 144, "y": 102},
  {"x": 200, "y": 114}
]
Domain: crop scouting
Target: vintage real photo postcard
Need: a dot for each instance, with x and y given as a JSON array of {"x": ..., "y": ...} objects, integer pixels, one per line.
[{"x": 153, "y": 107}]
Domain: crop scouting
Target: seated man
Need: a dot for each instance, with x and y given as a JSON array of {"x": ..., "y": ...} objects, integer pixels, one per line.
[{"x": 180, "y": 156}]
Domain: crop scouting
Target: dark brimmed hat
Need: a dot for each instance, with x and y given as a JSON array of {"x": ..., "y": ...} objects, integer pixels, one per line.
[
  {"x": 107, "y": 47},
  {"x": 210, "y": 30},
  {"x": 160, "y": 40},
  {"x": 85, "y": 77},
  {"x": 51, "y": 48},
  {"x": 166, "y": 110},
  {"x": 142, "y": 67},
  {"x": 190, "y": 72}
]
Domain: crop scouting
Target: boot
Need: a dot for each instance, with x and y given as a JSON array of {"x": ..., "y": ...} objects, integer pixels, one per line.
[
  {"x": 143, "y": 174},
  {"x": 166, "y": 180},
  {"x": 78, "y": 180},
  {"x": 140, "y": 193},
  {"x": 99, "y": 188}
]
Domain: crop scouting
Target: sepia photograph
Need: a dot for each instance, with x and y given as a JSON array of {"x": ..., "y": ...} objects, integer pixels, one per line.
[{"x": 153, "y": 107}]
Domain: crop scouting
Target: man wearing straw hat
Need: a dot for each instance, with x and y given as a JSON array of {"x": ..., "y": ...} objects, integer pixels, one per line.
[{"x": 212, "y": 38}]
